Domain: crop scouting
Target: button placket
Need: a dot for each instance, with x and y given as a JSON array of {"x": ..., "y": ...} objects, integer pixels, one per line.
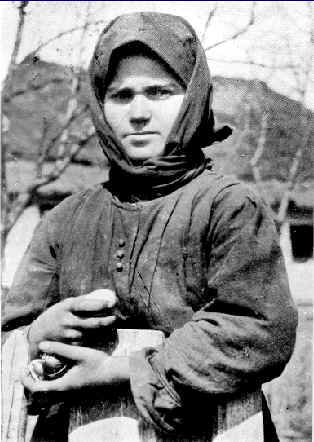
[
  {"x": 125, "y": 232},
  {"x": 120, "y": 255}
]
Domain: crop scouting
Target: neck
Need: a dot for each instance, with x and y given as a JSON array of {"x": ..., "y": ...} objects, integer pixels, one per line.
[{"x": 155, "y": 178}]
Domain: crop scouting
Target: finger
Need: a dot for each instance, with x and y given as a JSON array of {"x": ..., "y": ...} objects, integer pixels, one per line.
[
  {"x": 70, "y": 352},
  {"x": 72, "y": 335},
  {"x": 95, "y": 301},
  {"x": 94, "y": 323}
]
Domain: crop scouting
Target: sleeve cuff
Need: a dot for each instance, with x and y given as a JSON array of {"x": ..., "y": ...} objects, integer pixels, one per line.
[{"x": 154, "y": 396}]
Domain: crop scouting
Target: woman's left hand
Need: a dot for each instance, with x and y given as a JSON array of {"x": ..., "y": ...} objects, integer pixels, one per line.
[{"x": 88, "y": 368}]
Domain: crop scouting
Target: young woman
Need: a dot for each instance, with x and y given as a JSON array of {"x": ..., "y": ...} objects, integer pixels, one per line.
[{"x": 177, "y": 247}]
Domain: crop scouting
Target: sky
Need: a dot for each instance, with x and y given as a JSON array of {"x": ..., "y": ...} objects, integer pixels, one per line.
[{"x": 279, "y": 36}]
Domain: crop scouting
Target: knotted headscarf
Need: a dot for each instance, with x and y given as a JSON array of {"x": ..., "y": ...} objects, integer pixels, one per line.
[{"x": 175, "y": 42}]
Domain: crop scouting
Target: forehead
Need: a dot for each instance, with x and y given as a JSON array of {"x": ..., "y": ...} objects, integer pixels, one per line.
[{"x": 133, "y": 66}]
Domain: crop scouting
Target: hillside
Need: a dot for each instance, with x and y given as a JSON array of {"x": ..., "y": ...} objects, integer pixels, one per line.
[{"x": 242, "y": 104}]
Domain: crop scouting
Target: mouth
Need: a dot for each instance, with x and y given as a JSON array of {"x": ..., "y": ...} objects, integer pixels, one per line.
[{"x": 140, "y": 134}]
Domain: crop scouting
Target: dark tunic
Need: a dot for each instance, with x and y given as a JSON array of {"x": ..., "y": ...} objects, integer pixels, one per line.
[{"x": 202, "y": 264}]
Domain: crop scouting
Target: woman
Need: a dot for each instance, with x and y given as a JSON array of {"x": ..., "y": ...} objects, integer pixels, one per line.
[{"x": 182, "y": 249}]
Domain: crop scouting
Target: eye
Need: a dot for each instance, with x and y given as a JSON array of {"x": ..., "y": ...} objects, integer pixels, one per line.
[
  {"x": 159, "y": 92},
  {"x": 122, "y": 96}
]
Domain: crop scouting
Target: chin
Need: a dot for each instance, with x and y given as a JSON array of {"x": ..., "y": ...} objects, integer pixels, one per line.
[{"x": 141, "y": 154}]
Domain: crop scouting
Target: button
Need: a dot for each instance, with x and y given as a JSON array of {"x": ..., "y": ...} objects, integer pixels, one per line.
[
  {"x": 120, "y": 253},
  {"x": 119, "y": 267},
  {"x": 121, "y": 242}
]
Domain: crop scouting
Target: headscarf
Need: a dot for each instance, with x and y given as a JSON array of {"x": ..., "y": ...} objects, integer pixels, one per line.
[{"x": 175, "y": 42}]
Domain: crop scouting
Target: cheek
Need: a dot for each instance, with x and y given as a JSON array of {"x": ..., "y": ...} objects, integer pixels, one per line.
[
  {"x": 114, "y": 116},
  {"x": 169, "y": 112}
]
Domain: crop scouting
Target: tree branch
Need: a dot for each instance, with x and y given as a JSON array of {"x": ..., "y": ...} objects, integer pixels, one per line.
[
  {"x": 20, "y": 27},
  {"x": 68, "y": 122},
  {"x": 60, "y": 167},
  {"x": 72, "y": 104},
  {"x": 83, "y": 33},
  {"x": 292, "y": 176},
  {"x": 24, "y": 198},
  {"x": 42, "y": 149},
  {"x": 210, "y": 16},
  {"x": 254, "y": 63},
  {"x": 259, "y": 151},
  {"x": 237, "y": 33},
  {"x": 64, "y": 33},
  {"x": 30, "y": 88}
]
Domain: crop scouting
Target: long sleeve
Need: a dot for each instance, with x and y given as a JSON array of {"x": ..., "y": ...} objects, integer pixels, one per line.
[
  {"x": 244, "y": 333},
  {"x": 35, "y": 284}
]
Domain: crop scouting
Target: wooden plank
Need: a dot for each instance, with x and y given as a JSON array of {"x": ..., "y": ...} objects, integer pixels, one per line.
[
  {"x": 115, "y": 409},
  {"x": 14, "y": 406}
]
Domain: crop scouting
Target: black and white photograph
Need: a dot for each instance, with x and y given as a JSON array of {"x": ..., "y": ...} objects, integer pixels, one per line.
[{"x": 157, "y": 199}]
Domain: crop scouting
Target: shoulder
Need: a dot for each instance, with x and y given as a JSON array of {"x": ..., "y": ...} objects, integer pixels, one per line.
[
  {"x": 91, "y": 200},
  {"x": 76, "y": 201},
  {"x": 237, "y": 192},
  {"x": 228, "y": 199},
  {"x": 218, "y": 189},
  {"x": 239, "y": 207}
]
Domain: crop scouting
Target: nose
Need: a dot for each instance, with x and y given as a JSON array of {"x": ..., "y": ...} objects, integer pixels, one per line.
[{"x": 140, "y": 110}]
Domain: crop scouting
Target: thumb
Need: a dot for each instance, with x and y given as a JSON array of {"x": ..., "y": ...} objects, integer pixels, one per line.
[{"x": 36, "y": 387}]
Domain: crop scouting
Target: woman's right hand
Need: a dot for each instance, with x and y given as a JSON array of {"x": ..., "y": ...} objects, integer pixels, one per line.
[{"x": 69, "y": 320}]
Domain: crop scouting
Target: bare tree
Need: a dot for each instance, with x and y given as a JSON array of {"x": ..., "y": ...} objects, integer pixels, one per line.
[
  {"x": 12, "y": 209},
  {"x": 298, "y": 67},
  {"x": 4, "y": 200}
]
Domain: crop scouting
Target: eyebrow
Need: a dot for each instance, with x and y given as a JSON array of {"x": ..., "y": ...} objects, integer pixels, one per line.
[{"x": 116, "y": 86}]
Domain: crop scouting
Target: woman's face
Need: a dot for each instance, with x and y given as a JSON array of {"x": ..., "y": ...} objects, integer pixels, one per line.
[{"x": 141, "y": 104}]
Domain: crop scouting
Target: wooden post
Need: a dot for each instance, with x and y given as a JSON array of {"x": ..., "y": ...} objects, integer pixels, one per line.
[{"x": 16, "y": 424}]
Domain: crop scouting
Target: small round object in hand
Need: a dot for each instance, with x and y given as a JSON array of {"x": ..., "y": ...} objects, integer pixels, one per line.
[
  {"x": 53, "y": 368},
  {"x": 48, "y": 367}
]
